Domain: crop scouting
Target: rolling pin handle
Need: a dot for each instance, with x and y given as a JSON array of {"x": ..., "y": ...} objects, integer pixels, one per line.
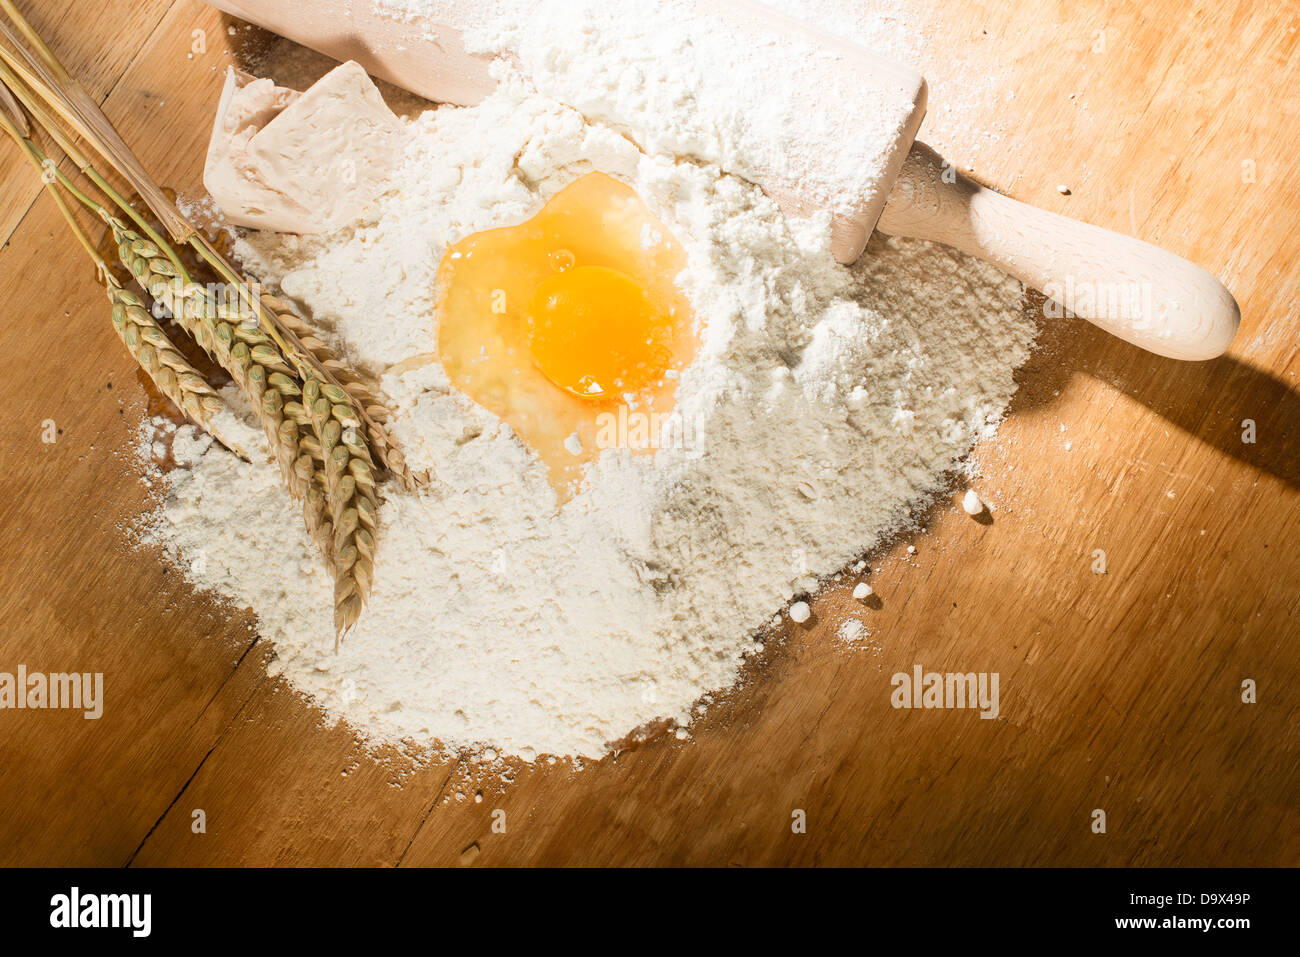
[{"x": 1139, "y": 292}]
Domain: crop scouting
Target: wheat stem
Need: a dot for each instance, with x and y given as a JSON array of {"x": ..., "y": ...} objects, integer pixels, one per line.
[
  {"x": 34, "y": 38},
  {"x": 144, "y": 338},
  {"x": 47, "y": 76}
]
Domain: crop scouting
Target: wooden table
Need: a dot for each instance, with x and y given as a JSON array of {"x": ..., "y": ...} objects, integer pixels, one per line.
[{"x": 1119, "y": 691}]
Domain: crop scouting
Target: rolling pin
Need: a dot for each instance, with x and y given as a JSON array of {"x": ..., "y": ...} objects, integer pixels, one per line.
[{"x": 1132, "y": 289}]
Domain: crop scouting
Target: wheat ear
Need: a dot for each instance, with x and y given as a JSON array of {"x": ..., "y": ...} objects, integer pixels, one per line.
[
  {"x": 271, "y": 385},
  {"x": 156, "y": 273},
  {"x": 349, "y": 493},
  {"x": 359, "y": 392},
  {"x": 158, "y": 356},
  {"x": 313, "y": 426}
]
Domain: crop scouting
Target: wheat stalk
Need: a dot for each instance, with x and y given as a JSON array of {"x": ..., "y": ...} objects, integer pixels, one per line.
[
  {"x": 44, "y": 74},
  {"x": 341, "y": 519},
  {"x": 52, "y": 83},
  {"x": 325, "y": 425},
  {"x": 232, "y": 336}
]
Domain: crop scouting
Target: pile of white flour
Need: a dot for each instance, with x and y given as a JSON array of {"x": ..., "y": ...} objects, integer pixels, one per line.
[{"x": 825, "y": 401}]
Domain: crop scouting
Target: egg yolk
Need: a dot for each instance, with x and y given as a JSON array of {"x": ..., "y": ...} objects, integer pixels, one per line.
[
  {"x": 567, "y": 322},
  {"x": 595, "y": 331}
]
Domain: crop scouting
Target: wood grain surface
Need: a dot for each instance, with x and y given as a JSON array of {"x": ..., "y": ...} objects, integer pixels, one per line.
[{"x": 1119, "y": 691}]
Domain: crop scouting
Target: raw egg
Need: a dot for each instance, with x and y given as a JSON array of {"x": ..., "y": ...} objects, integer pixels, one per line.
[{"x": 569, "y": 325}]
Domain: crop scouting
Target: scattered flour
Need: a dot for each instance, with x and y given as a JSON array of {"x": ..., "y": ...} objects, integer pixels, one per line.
[
  {"x": 852, "y": 630},
  {"x": 829, "y": 401}
]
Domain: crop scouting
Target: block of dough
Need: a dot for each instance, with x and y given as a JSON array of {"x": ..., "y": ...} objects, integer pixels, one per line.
[{"x": 300, "y": 162}]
